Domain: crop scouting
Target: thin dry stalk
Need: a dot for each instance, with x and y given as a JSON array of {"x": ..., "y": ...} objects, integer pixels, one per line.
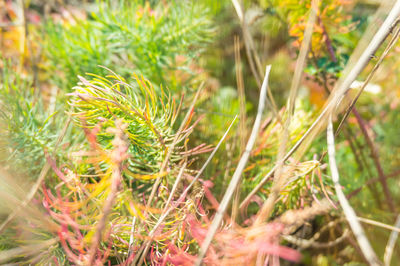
[
  {"x": 241, "y": 94},
  {"x": 42, "y": 175},
  {"x": 379, "y": 224},
  {"x": 242, "y": 119},
  {"x": 338, "y": 93},
  {"x": 308, "y": 243},
  {"x": 23, "y": 35},
  {"x": 238, "y": 172},
  {"x": 313, "y": 241},
  {"x": 302, "y": 59},
  {"x": 374, "y": 152},
  {"x": 248, "y": 39},
  {"x": 391, "y": 243},
  {"x": 175, "y": 186},
  {"x": 382, "y": 178},
  {"x": 131, "y": 238},
  {"x": 252, "y": 56},
  {"x": 279, "y": 178},
  {"x": 329, "y": 225},
  {"x": 349, "y": 213}
]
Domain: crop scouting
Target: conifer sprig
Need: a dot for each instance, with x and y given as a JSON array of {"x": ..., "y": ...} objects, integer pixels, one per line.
[{"x": 148, "y": 114}]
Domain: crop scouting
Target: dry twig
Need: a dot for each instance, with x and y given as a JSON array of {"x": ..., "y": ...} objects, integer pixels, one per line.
[
  {"x": 252, "y": 56},
  {"x": 238, "y": 172},
  {"x": 391, "y": 243},
  {"x": 349, "y": 213},
  {"x": 310, "y": 243},
  {"x": 242, "y": 118},
  {"x": 280, "y": 176}
]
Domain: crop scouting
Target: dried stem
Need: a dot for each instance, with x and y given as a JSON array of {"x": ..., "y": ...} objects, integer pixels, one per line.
[
  {"x": 175, "y": 186},
  {"x": 310, "y": 243},
  {"x": 361, "y": 123},
  {"x": 241, "y": 94},
  {"x": 252, "y": 56},
  {"x": 391, "y": 44},
  {"x": 391, "y": 243},
  {"x": 379, "y": 224},
  {"x": 242, "y": 119},
  {"x": 238, "y": 172},
  {"x": 23, "y": 35},
  {"x": 349, "y": 213},
  {"x": 26, "y": 250},
  {"x": 279, "y": 178}
]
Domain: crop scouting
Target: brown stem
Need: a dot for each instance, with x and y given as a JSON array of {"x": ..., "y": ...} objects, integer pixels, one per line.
[
  {"x": 356, "y": 153},
  {"x": 370, "y": 182},
  {"x": 362, "y": 162},
  {"x": 328, "y": 41},
  {"x": 237, "y": 174},
  {"x": 375, "y": 158}
]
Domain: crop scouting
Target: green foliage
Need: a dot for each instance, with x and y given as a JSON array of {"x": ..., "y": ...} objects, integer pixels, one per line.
[
  {"x": 223, "y": 107},
  {"x": 388, "y": 139},
  {"x": 157, "y": 41},
  {"x": 26, "y": 128},
  {"x": 101, "y": 101},
  {"x": 333, "y": 38}
]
